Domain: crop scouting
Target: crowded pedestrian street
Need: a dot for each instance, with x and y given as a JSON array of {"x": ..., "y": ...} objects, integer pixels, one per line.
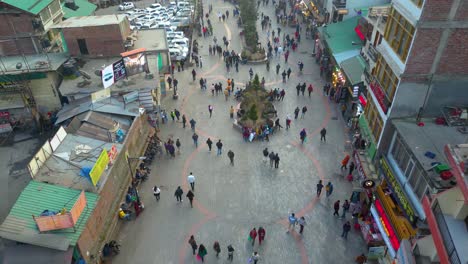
[{"x": 236, "y": 192}]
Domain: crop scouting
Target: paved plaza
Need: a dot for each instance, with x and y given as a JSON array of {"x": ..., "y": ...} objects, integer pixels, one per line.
[{"x": 231, "y": 200}]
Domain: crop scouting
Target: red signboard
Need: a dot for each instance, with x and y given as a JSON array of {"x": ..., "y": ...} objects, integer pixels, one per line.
[
  {"x": 379, "y": 95},
  {"x": 387, "y": 226},
  {"x": 112, "y": 154},
  {"x": 78, "y": 207},
  {"x": 361, "y": 36}
]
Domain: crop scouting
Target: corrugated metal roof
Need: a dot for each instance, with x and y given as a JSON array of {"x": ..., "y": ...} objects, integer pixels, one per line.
[
  {"x": 33, "y": 200},
  {"x": 85, "y": 8},
  {"x": 30, "y": 6},
  {"x": 91, "y": 21},
  {"x": 354, "y": 67},
  {"x": 98, "y": 126}
]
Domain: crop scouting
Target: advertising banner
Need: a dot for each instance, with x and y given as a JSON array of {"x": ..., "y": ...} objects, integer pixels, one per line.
[
  {"x": 78, "y": 207},
  {"x": 99, "y": 167},
  {"x": 119, "y": 70},
  {"x": 107, "y": 76},
  {"x": 135, "y": 61}
]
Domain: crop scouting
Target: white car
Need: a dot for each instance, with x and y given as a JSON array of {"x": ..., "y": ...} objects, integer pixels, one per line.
[
  {"x": 155, "y": 5},
  {"x": 180, "y": 42},
  {"x": 176, "y": 54},
  {"x": 148, "y": 25},
  {"x": 175, "y": 46},
  {"x": 175, "y": 34},
  {"x": 126, "y": 6},
  {"x": 180, "y": 21},
  {"x": 166, "y": 25}
]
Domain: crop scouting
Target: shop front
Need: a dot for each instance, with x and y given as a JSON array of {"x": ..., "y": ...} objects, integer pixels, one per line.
[{"x": 365, "y": 140}]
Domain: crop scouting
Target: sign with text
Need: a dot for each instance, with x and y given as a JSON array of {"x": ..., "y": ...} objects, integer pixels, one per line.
[
  {"x": 99, "y": 95},
  {"x": 78, "y": 207},
  {"x": 119, "y": 70},
  {"x": 379, "y": 95},
  {"x": 399, "y": 193},
  {"x": 112, "y": 154},
  {"x": 107, "y": 75},
  {"x": 99, "y": 167}
]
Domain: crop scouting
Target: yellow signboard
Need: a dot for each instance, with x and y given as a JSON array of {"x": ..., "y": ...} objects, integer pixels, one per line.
[{"x": 99, "y": 167}]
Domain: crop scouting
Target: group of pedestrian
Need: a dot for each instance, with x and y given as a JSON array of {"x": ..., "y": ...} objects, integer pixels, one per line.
[
  {"x": 273, "y": 157},
  {"x": 202, "y": 251}
]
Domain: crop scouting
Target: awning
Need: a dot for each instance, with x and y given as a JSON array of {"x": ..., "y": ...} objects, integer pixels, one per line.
[
  {"x": 358, "y": 31},
  {"x": 354, "y": 68},
  {"x": 382, "y": 230}
]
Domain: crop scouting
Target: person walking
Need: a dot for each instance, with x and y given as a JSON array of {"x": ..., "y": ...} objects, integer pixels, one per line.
[
  {"x": 261, "y": 235},
  {"x": 210, "y": 109},
  {"x": 289, "y": 72},
  {"x": 288, "y": 122},
  {"x": 310, "y": 89},
  {"x": 336, "y": 208},
  {"x": 178, "y": 194},
  {"x": 284, "y": 74},
  {"x": 304, "y": 110},
  {"x": 265, "y": 155},
  {"x": 277, "y": 68},
  {"x": 346, "y": 229},
  {"x": 303, "y": 135},
  {"x": 277, "y": 160},
  {"x": 191, "y": 181},
  {"x": 177, "y": 143},
  {"x": 328, "y": 189},
  {"x": 193, "y": 244},
  {"x": 194, "y": 74},
  {"x": 231, "y": 112},
  {"x": 301, "y": 223},
  {"x": 323, "y": 134},
  {"x": 184, "y": 121},
  {"x": 192, "y": 124},
  {"x": 209, "y": 143},
  {"x": 177, "y": 114},
  {"x": 255, "y": 257},
  {"x": 172, "y": 116},
  {"x": 292, "y": 222},
  {"x": 195, "y": 139},
  {"x": 190, "y": 196},
  {"x": 344, "y": 162},
  {"x": 351, "y": 168},
  {"x": 217, "y": 248},
  {"x": 319, "y": 187},
  {"x": 253, "y": 236},
  {"x": 219, "y": 146},
  {"x": 202, "y": 252},
  {"x": 345, "y": 208},
  {"x": 230, "y": 252},
  {"x": 175, "y": 82},
  {"x": 231, "y": 157},
  {"x": 156, "y": 192},
  {"x": 272, "y": 158},
  {"x": 296, "y": 112}
]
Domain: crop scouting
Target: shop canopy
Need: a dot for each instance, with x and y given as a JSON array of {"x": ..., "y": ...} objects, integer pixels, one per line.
[
  {"x": 341, "y": 39},
  {"x": 354, "y": 68}
]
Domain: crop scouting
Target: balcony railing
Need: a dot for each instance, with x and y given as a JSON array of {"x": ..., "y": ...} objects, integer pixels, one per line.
[{"x": 447, "y": 238}]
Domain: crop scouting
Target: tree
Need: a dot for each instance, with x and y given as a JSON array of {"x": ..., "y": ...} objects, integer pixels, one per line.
[
  {"x": 252, "y": 114},
  {"x": 248, "y": 13}
]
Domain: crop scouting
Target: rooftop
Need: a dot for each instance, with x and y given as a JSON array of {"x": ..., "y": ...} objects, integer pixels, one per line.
[
  {"x": 85, "y": 8},
  {"x": 340, "y": 37},
  {"x": 30, "y": 6},
  {"x": 69, "y": 87},
  {"x": 90, "y": 21},
  {"x": 152, "y": 40},
  {"x": 459, "y": 235},
  {"x": 32, "y": 63},
  {"x": 430, "y": 137},
  {"x": 69, "y": 162},
  {"x": 33, "y": 200},
  {"x": 354, "y": 68}
]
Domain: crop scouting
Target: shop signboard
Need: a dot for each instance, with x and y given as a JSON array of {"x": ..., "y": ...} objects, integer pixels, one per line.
[
  {"x": 387, "y": 226},
  {"x": 112, "y": 154},
  {"x": 119, "y": 70},
  {"x": 107, "y": 75},
  {"x": 376, "y": 252},
  {"x": 371, "y": 150},
  {"x": 360, "y": 169},
  {"x": 379, "y": 95},
  {"x": 99, "y": 167},
  {"x": 397, "y": 190}
]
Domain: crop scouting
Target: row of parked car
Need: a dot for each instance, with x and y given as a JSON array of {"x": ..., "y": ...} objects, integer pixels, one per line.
[{"x": 158, "y": 16}]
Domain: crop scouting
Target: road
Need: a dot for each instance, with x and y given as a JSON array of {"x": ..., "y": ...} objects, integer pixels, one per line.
[{"x": 231, "y": 200}]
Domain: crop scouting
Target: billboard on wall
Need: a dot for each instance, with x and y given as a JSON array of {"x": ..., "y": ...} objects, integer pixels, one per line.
[
  {"x": 99, "y": 167},
  {"x": 107, "y": 76},
  {"x": 135, "y": 61}
]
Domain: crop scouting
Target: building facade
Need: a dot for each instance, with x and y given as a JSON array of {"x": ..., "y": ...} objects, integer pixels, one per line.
[{"x": 26, "y": 27}]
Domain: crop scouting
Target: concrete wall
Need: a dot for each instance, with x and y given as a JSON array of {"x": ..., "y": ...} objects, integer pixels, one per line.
[
  {"x": 45, "y": 92},
  {"x": 104, "y": 220},
  {"x": 451, "y": 201},
  {"x": 427, "y": 248},
  {"x": 102, "y": 41}
]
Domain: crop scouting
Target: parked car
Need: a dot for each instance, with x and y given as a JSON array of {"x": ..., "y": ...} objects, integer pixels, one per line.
[
  {"x": 148, "y": 25},
  {"x": 175, "y": 34},
  {"x": 166, "y": 25},
  {"x": 183, "y": 14},
  {"x": 155, "y": 5},
  {"x": 126, "y": 6},
  {"x": 181, "y": 48},
  {"x": 176, "y": 54},
  {"x": 183, "y": 4},
  {"x": 180, "y": 21},
  {"x": 180, "y": 42}
]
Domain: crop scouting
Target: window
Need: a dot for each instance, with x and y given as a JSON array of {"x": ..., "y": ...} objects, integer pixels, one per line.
[
  {"x": 54, "y": 7},
  {"x": 399, "y": 33},
  {"x": 45, "y": 16},
  {"x": 387, "y": 79},
  {"x": 418, "y": 3},
  {"x": 374, "y": 120}
]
